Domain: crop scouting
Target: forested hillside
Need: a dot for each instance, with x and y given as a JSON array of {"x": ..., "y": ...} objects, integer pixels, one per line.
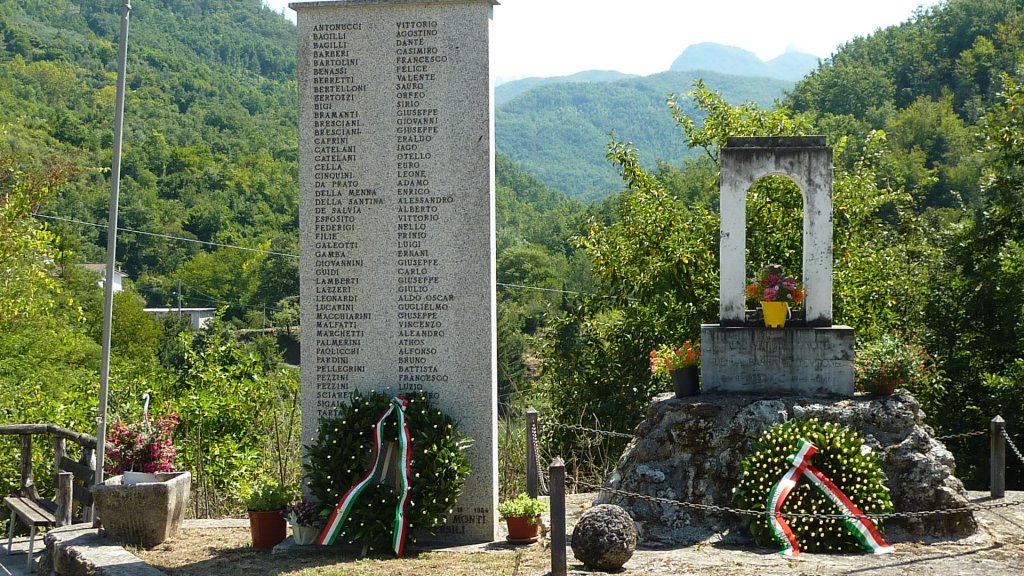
[
  {"x": 509, "y": 90},
  {"x": 559, "y": 132},
  {"x": 210, "y": 151}
]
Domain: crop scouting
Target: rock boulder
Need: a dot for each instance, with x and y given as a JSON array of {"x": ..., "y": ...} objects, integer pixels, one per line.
[
  {"x": 690, "y": 450},
  {"x": 604, "y": 538}
]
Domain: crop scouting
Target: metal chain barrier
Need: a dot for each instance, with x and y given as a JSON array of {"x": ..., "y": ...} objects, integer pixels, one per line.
[
  {"x": 577, "y": 428},
  {"x": 964, "y": 435},
  {"x": 1013, "y": 446},
  {"x": 536, "y": 456},
  {"x": 758, "y": 513}
]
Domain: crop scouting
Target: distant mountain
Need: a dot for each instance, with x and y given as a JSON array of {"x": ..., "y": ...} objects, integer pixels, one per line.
[
  {"x": 739, "y": 62},
  {"x": 559, "y": 131},
  {"x": 509, "y": 90}
]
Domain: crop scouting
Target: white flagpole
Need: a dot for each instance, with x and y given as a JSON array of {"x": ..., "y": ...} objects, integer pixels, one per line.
[{"x": 108, "y": 286}]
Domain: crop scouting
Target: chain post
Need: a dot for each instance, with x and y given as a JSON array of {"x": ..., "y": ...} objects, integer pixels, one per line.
[
  {"x": 532, "y": 471},
  {"x": 559, "y": 564},
  {"x": 997, "y": 460}
]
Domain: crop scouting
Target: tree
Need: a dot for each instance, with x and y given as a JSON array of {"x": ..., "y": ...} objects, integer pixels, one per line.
[
  {"x": 976, "y": 317},
  {"x": 28, "y": 255}
]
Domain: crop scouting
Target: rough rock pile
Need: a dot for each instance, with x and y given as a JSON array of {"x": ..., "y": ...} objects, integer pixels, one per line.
[{"x": 690, "y": 450}]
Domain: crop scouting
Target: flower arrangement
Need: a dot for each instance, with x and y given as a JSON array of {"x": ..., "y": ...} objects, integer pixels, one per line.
[
  {"x": 305, "y": 513},
  {"x": 772, "y": 285},
  {"x": 145, "y": 446},
  {"x": 341, "y": 454},
  {"x": 665, "y": 358}
]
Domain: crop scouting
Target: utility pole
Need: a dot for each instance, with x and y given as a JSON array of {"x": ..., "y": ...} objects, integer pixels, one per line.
[{"x": 108, "y": 287}]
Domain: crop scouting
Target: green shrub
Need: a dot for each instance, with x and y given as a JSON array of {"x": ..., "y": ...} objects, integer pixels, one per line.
[{"x": 890, "y": 359}]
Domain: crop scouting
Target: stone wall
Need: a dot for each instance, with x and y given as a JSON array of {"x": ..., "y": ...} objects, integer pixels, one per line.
[{"x": 690, "y": 450}]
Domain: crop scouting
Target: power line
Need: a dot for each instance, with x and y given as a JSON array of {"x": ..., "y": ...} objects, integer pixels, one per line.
[
  {"x": 269, "y": 252},
  {"x": 167, "y": 236},
  {"x": 538, "y": 288}
]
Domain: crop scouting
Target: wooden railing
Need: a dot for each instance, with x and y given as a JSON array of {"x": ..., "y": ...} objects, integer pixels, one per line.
[{"x": 59, "y": 437}]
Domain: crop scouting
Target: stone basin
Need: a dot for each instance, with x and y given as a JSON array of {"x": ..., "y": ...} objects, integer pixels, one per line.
[{"x": 143, "y": 514}]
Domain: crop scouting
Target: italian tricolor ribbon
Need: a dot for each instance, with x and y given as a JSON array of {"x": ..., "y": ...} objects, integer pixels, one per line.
[
  {"x": 376, "y": 473},
  {"x": 860, "y": 525}
]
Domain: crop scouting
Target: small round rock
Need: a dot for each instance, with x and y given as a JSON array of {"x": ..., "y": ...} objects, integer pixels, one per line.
[{"x": 605, "y": 538}]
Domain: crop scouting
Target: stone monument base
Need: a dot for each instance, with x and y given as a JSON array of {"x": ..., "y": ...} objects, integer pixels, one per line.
[
  {"x": 796, "y": 361},
  {"x": 690, "y": 450}
]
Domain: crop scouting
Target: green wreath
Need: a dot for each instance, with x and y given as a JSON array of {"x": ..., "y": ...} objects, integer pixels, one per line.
[
  {"x": 342, "y": 452},
  {"x": 841, "y": 456}
]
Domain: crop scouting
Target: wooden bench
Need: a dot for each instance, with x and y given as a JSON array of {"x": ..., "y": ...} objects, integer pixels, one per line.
[
  {"x": 72, "y": 483},
  {"x": 35, "y": 513}
]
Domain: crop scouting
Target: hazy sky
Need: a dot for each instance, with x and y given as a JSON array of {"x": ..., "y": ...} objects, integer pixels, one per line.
[{"x": 558, "y": 37}]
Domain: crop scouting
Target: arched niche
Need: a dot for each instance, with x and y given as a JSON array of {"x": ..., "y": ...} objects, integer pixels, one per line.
[{"x": 805, "y": 160}]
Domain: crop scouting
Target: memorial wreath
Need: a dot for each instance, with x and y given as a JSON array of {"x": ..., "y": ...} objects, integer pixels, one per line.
[
  {"x": 391, "y": 468},
  {"x": 844, "y": 484}
]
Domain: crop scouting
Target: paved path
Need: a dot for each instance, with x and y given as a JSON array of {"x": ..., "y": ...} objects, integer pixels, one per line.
[{"x": 14, "y": 565}]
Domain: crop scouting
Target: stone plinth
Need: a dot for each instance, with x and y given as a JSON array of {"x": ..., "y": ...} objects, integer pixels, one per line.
[
  {"x": 812, "y": 362},
  {"x": 690, "y": 450},
  {"x": 396, "y": 219}
]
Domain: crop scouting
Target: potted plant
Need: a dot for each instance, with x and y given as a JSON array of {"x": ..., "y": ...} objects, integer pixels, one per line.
[
  {"x": 266, "y": 505},
  {"x": 522, "y": 516},
  {"x": 681, "y": 364},
  {"x": 139, "y": 457},
  {"x": 882, "y": 365},
  {"x": 775, "y": 291},
  {"x": 306, "y": 521}
]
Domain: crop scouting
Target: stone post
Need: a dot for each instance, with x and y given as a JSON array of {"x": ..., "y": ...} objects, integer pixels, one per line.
[
  {"x": 997, "y": 460},
  {"x": 559, "y": 564}
]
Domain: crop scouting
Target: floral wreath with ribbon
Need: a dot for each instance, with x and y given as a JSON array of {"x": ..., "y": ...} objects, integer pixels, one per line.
[
  {"x": 389, "y": 467},
  {"x": 844, "y": 484}
]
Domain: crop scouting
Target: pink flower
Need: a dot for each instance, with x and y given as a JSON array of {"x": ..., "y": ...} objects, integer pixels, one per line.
[
  {"x": 141, "y": 446},
  {"x": 771, "y": 293}
]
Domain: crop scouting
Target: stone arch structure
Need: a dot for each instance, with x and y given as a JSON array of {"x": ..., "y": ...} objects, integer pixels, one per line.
[{"x": 805, "y": 160}]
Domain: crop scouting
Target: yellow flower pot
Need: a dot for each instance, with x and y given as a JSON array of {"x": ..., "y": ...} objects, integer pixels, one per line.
[{"x": 775, "y": 314}]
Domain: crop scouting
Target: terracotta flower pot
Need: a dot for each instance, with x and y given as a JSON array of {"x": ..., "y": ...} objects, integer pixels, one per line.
[
  {"x": 520, "y": 529},
  {"x": 268, "y": 527},
  {"x": 884, "y": 387}
]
